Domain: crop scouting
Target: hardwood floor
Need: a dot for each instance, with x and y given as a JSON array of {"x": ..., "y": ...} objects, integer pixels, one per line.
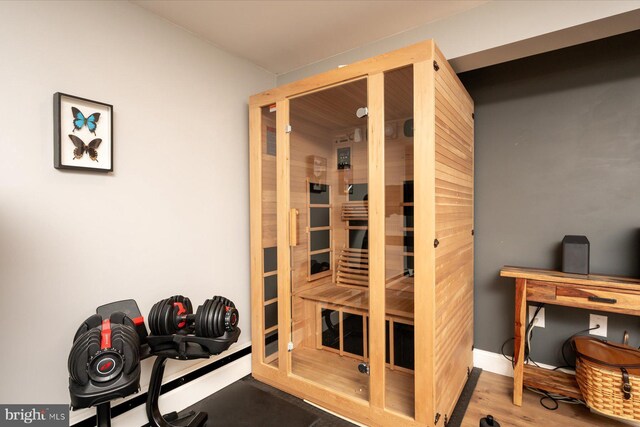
[{"x": 493, "y": 395}]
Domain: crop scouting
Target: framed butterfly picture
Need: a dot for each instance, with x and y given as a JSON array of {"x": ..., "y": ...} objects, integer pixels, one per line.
[{"x": 83, "y": 134}]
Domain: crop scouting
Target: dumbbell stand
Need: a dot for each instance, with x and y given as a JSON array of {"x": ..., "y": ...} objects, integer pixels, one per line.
[
  {"x": 153, "y": 410},
  {"x": 180, "y": 347},
  {"x": 103, "y": 415}
]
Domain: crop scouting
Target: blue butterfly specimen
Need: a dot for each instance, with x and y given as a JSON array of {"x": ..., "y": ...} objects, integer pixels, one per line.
[
  {"x": 81, "y": 147},
  {"x": 80, "y": 120}
]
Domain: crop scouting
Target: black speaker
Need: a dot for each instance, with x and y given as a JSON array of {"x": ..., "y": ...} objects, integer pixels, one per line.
[{"x": 575, "y": 254}]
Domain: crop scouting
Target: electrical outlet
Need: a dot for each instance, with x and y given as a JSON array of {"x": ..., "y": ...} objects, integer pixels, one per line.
[
  {"x": 596, "y": 319},
  {"x": 539, "y": 318}
]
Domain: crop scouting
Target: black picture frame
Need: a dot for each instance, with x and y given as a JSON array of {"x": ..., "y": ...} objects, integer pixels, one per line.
[{"x": 63, "y": 147}]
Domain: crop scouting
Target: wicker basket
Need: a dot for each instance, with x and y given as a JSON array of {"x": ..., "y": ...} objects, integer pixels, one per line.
[{"x": 599, "y": 372}]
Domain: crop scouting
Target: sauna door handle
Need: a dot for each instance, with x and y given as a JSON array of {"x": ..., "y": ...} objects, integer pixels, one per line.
[{"x": 293, "y": 227}]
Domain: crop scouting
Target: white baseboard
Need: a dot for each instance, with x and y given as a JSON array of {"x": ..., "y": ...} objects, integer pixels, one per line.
[
  {"x": 181, "y": 397},
  {"x": 496, "y": 363}
]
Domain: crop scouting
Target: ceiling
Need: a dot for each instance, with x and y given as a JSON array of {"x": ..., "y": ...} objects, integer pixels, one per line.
[{"x": 281, "y": 36}]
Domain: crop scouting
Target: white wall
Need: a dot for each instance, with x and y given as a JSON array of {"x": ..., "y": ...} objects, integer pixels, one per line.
[
  {"x": 173, "y": 217},
  {"x": 499, "y": 31}
]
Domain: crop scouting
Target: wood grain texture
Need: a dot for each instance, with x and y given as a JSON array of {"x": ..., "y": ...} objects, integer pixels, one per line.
[
  {"x": 617, "y": 282},
  {"x": 255, "y": 234},
  {"x": 599, "y": 298},
  {"x": 595, "y": 292},
  {"x": 519, "y": 334},
  {"x": 396, "y": 59},
  {"x": 437, "y": 300},
  {"x": 283, "y": 212},
  {"x": 399, "y": 303},
  {"x": 342, "y": 374},
  {"x": 355, "y": 211},
  {"x": 424, "y": 235},
  {"x": 541, "y": 291},
  {"x": 353, "y": 268},
  {"x": 377, "y": 236},
  {"x": 552, "y": 381},
  {"x": 454, "y": 189}
]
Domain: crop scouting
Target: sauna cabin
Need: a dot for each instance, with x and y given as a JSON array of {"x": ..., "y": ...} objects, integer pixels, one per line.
[{"x": 362, "y": 238}]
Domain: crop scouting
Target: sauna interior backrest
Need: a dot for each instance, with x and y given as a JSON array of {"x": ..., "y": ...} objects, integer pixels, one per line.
[
  {"x": 353, "y": 267},
  {"x": 355, "y": 211}
]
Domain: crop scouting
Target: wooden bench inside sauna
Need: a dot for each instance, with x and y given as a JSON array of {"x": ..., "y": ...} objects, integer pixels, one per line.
[{"x": 348, "y": 293}]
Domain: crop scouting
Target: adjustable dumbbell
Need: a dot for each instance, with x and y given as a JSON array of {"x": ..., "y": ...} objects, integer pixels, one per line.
[
  {"x": 104, "y": 361},
  {"x": 215, "y": 317},
  {"x": 175, "y": 315},
  {"x": 171, "y": 315}
]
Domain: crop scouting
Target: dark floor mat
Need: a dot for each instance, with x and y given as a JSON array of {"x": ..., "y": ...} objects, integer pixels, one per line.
[
  {"x": 465, "y": 398},
  {"x": 325, "y": 419},
  {"x": 248, "y": 402}
]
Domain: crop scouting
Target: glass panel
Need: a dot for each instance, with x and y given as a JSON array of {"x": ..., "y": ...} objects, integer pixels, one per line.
[
  {"x": 352, "y": 334},
  {"x": 320, "y": 262},
  {"x": 271, "y": 315},
  {"x": 271, "y": 346},
  {"x": 320, "y": 240},
  {"x": 329, "y": 173},
  {"x": 359, "y": 239},
  {"x": 403, "y": 345},
  {"x": 386, "y": 342},
  {"x": 270, "y": 259},
  {"x": 269, "y": 232},
  {"x": 398, "y": 95},
  {"x": 319, "y": 229},
  {"x": 319, "y": 217},
  {"x": 330, "y": 328},
  {"x": 318, "y": 194},
  {"x": 270, "y": 287},
  {"x": 358, "y": 192}
]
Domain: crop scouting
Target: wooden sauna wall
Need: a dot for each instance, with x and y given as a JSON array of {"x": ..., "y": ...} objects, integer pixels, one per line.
[
  {"x": 454, "y": 225},
  {"x": 307, "y": 140}
]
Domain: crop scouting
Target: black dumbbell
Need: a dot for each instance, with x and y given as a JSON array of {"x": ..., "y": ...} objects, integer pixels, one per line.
[
  {"x": 104, "y": 349},
  {"x": 214, "y": 317},
  {"x": 171, "y": 316}
]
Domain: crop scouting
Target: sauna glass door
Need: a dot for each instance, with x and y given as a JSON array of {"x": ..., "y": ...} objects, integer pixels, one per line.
[
  {"x": 269, "y": 252},
  {"x": 399, "y": 248},
  {"x": 329, "y": 237}
]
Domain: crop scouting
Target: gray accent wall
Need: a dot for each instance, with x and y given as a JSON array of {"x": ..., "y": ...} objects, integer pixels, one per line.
[{"x": 557, "y": 141}]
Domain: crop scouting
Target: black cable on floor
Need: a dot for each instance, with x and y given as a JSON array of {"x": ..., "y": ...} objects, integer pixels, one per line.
[
  {"x": 554, "y": 400},
  {"x": 527, "y": 358}
]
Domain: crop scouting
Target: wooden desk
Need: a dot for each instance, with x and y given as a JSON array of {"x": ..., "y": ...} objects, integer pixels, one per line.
[{"x": 594, "y": 292}]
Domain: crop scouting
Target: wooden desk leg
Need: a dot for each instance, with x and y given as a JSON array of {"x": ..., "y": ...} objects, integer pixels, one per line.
[{"x": 518, "y": 345}]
